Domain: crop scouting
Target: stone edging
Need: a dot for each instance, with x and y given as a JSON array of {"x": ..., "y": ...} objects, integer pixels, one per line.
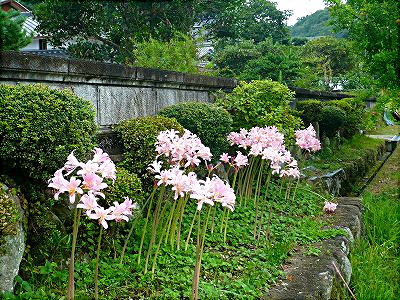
[{"x": 314, "y": 277}]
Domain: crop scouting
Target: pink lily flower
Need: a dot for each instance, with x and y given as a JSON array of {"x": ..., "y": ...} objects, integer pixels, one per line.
[
  {"x": 88, "y": 202},
  {"x": 72, "y": 187},
  {"x": 102, "y": 215}
]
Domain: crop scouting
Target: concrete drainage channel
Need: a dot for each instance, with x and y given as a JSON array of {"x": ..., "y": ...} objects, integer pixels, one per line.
[{"x": 323, "y": 276}]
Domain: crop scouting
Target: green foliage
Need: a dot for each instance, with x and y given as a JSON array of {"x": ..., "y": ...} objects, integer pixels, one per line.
[
  {"x": 9, "y": 214},
  {"x": 231, "y": 21},
  {"x": 260, "y": 103},
  {"x": 354, "y": 109},
  {"x": 310, "y": 110},
  {"x": 126, "y": 185},
  {"x": 138, "y": 136},
  {"x": 12, "y": 34},
  {"x": 178, "y": 54},
  {"x": 40, "y": 126},
  {"x": 211, "y": 123},
  {"x": 242, "y": 268},
  {"x": 375, "y": 259},
  {"x": 314, "y": 25},
  {"x": 108, "y": 30},
  {"x": 247, "y": 60},
  {"x": 332, "y": 120},
  {"x": 324, "y": 61},
  {"x": 373, "y": 26}
]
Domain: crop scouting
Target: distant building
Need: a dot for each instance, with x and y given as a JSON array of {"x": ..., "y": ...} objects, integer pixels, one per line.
[{"x": 39, "y": 44}]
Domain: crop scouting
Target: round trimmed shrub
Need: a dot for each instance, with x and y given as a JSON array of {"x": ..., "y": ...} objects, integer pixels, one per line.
[
  {"x": 40, "y": 126},
  {"x": 354, "y": 109},
  {"x": 332, "y": 120},
  {"x": 138, "y": 136},
  {"x": 126, "y": 185},
  {"x": 310, "y": 110},
  {"x": 261, "y": 103},
  {"x": 210, "y": 122}
]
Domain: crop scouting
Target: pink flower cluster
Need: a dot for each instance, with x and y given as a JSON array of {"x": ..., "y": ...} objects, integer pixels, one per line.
[
  {"x": 237, "y": 161},
  {"x": 213, "y": 190},
  {"x": 307, "y": 139},
  {"x": 330, "y": 207},
  {"x": 89, "y": 186},
  {"x": 205, "y": 191},
  {"x": 185, "y": 150},
  {"x": 267, "y": 142}
]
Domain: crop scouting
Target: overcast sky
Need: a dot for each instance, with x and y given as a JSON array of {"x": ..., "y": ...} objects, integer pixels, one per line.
[{"x": 300, "y": 8}]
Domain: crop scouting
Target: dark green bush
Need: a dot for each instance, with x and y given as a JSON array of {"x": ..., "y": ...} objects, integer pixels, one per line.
[
  {"x": 354, "y": 109},
  {"x": 126, "y": 185},
  {"x": 210, "y": 122},
  {"x": 40, "y": 126},
  {"x": 261, "y": 103},
  {"x": 138, "y": 137},
  {"x": 332, "y": 120},
  {"x": 310, "y": 110}
]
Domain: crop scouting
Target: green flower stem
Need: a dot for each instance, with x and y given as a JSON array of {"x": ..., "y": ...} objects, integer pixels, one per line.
[
  {"x": 257, "y": 233},
  {"x": 96, "y": 273},
  {"x": 257, "y": 194},
  {"x": 180, "y": 222},
  {"x": 190, "y": 231},
  {"x": 169, "y": 221},
  {"x": 145, "y": 228},
  {"x": 213, "y": 219},
  {"x": 199, "y": 253},
  {"x": 71, "y": 281},
  {"x": 158, "y": 215},
  {"x": 226, "y": 224},
  {"x": 289, "y": 186},
  {"x": 295, "y": 189},
  {"x": 175, "y": 219},
  {"x": 196, "y": 275},
  {"x": 133, "y": 226}
]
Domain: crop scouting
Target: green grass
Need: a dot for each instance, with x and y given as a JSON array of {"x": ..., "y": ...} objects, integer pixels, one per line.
[
  {"x": 386, "y": 130},
  {"x": 336, "y": 157},
  {"x": 376, "y": 257},
  {"x": 241, "y": 268}
]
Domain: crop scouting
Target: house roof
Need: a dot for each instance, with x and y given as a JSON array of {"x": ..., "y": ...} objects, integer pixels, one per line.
[
  {"x": 14, "y": 4},
  {"x": 30, "y": 24}
]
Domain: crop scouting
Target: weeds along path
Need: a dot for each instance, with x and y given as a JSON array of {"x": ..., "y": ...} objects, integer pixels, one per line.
[{"x": 376, "y": 256}]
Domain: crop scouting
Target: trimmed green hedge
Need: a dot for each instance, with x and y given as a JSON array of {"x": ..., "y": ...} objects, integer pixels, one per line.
[
  {"x": 310, "y": 110},
  {"x": 261, "y": 103},
  {"x": 211, "y": 123},
  {"x": 138, "y": 136},
  {"x": 40, "y": 126},
  {"x": 332, "y": 120}
]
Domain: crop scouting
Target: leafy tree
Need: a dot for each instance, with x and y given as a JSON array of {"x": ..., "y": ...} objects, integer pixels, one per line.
[
  {"x": 266, "y": 60},
  {"x": 108, "y": 30},
  {"x": 179, "y": 54},
  {"x": 236, "y": 20},
  {"x": 12, "y": 35},
  {"x": 374, "y": 27},
  {"x": 324, "y": 60},
  {"x": 314, "y": 25}
]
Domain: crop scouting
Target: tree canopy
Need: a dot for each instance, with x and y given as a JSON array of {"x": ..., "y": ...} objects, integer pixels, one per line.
[
  {"x": 236, "y": 20},
  {"x": 374, "y": 27},
  {"x": 12, "y": 34},
  {"x": 108, "y": 30}
]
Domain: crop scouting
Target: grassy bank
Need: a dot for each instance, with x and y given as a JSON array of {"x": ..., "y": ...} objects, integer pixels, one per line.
[{"x": 376, "y": 257}]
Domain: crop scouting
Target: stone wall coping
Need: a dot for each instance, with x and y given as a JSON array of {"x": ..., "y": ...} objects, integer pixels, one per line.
[
  {"x": 18, "y": 61},
  {"x": 67, "y": 67}
]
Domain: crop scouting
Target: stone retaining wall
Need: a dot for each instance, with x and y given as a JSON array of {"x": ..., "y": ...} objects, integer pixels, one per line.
[{"x": 317, "y": 277}]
